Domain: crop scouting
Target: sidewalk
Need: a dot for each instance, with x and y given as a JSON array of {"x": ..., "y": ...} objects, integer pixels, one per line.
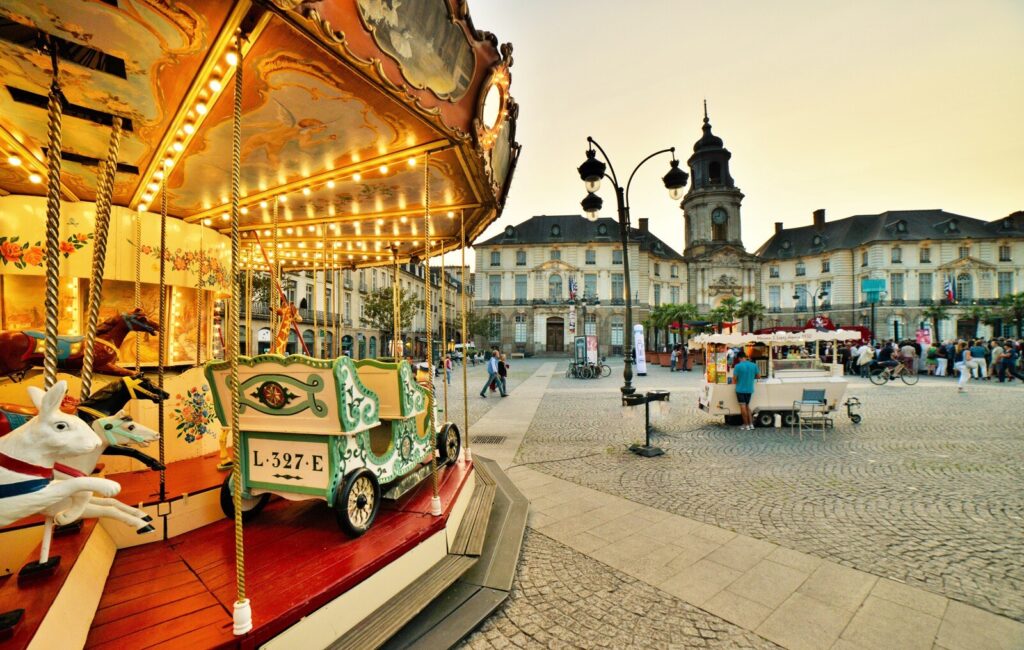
[{"x": 790, "y": 598}]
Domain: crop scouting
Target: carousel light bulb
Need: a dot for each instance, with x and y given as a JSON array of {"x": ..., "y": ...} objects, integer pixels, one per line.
[
  {"x": 143, "y": 207},
  {"x": 201, "y": 108},
  {"x": 245, "y": 210},
  {"x": 189, "y": 128},
  {"x": 383, "y": 169},
  {"x": 224, "y": 217},
  {"x": 404, "y": 219},
  {"x": 266, "y": 233},
  {"x": 312, "y": 228},
  {"x": 147, "y": 197},
  {"x": 330, "y": 185},
  {"x": 35, "y": 179},
  {"x": 207, "y": 221},
  {"x": 232, "y": 58},
  {"x": 412, "y": 162},
  {"x": 178, "y": 145},
  {"x": 306, "y": 191},
  {"x": 13, "y": 161},
  {"x": 357, "y": 177},
  {"x": 215, "y": 85},
  {"x": 153, "y": 187},
  {"x": 168, "y": 161},
  {"x": 159, "y": 175},
  {"x": 380, "y": 222},
  {"x": 282, "y": 198},
  {"x": 263, "y": 204},
  {"x": 451, "y": 215},
  {"x": 289, "y": 230}
]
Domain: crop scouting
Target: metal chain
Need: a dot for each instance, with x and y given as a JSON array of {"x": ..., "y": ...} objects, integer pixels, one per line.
[
  {"x": 236, "y": 470},
  {"x": 53, "y": 160},
  {"x": 99, "y": 255}
]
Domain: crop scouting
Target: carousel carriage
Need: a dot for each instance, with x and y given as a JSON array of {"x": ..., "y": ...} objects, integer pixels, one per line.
[{"x": 336, "y": 430}]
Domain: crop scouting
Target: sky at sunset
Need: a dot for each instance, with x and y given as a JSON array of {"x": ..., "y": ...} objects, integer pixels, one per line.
[{"x": 855, "y": 107}]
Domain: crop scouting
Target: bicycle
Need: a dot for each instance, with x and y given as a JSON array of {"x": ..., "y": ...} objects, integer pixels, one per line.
[{"x": 882, "y": 375}]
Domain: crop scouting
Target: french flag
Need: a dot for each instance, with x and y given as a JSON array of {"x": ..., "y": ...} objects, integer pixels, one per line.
[{"x": 950, "y": 290}]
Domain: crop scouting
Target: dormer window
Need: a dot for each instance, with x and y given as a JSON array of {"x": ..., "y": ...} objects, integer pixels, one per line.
[
  {"x": 510, "y": 232},
  {"x": 817, "y": 240},
  {"x": 556, "y": 230},
  {"x": 953, "y": 226},
  {"x": 602, "y": 229},
  {"x": 901, "y": 226},
  {"x": 1007, "y": 223},
  {"x": 786, "y": 245}
]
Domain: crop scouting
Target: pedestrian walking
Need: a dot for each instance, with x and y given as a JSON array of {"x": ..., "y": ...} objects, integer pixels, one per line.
[
  {"x": 492, "y": 376},
  {"x": 448, "y": 369},
  {"x": 744, "y": 374},
  {"x": 503, "y": 373},
  {"x": 864, "y": 359},
  {"x": 962, "y": 363},
  {"x": 941, "y": 360},
  {"x": 673, "y": 357},
  {"x": 980, "y": 367}
]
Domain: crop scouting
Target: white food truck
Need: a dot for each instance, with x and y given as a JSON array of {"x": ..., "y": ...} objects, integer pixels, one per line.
[{"x": 784, "y": 373}]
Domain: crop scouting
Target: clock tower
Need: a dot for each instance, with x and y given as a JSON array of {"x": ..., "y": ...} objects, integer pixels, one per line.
[
  {"x": 711, "y": 208},
  {"x": 717, "y": 265}
]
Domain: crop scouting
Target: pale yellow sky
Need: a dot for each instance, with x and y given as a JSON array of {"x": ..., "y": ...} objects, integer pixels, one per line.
[{"x": 855, "y": 107}]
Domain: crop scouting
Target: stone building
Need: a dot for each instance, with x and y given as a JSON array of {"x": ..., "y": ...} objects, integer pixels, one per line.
[
  {"x": 524, "y": 277},
  {"x": 522, "y": 274}
]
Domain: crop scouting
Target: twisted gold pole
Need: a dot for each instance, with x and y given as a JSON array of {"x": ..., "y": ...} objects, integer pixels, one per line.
[
  {"x": 199, "y": 301},
  {"x": 248, "y": 305},
  {"x": 275, "y": 276},
  {"x": 99, "y": 255},
  {"x": 465, "y": 344},
  {"x": 138, "y": 287},
  {"x": 162, "y": 337},
  {"x": 435, "y": 501},
  {"x": 241, "y": 603},
  {"x": 396, "y": 309},
  {"x": 444, "y": 335},
  {"x": 52, "y": 302}
]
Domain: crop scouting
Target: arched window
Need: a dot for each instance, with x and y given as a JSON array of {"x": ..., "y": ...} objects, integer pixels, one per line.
[
  {"x": 242, "y": 341},
  {"x": 715, "y": 173},
  {"x": 964, "y": 288},
  {"x": 373, "y": 347},
  {"x": 293, "y": 343},
  {"x": 555, "y": 288},
  {"x": 346, "y": 345},
  {"x": 263, "y": 337},
  {"x": 362, "y": 347},
  {"x": 307, "y": 338}
]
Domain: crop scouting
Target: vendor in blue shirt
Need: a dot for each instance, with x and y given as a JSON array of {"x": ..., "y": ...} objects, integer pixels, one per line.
[{"x": 744, "y": 374}]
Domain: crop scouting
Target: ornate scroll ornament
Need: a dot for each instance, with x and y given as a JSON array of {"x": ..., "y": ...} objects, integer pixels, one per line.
[
  {"x": 493, "y": 103},
  {"x": 725, "y": 284},
  {"x": 357, "y": 404},
  {"x": 413, "y": 400},
  {"x": 271, "y": 394}
]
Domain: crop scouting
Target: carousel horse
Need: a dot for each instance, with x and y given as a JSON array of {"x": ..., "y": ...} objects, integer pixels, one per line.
[
  {"x": 113, "y": 430},
  {"x": 27, "y": 457},
  {"x": 19, "y": 350},
  {"x": 108, "y": 400}
]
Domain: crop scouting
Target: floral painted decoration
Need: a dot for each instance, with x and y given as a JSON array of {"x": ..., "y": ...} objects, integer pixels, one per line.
[
  {"x": 194, "y": 413},
  {"x": 22, "y": 254},
  {"x": 210, "y": 269}
]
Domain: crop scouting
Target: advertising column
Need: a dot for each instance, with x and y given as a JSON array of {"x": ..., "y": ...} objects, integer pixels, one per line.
[{"x": 638, "y": 350}]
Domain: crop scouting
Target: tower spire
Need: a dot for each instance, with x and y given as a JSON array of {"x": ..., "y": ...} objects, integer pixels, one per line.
[{"x": 705, "y": 111}]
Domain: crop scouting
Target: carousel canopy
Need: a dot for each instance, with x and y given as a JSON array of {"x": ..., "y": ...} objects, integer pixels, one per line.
[{"x": 346, "y": 104}]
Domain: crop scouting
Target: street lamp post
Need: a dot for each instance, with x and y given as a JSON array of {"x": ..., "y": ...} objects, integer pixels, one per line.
[
  {"x": 592, "y": 171},
  {"x": 815, "y": 296}
]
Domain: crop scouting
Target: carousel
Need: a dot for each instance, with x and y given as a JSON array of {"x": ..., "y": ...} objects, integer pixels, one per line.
[{"x": 161, "y": 484}]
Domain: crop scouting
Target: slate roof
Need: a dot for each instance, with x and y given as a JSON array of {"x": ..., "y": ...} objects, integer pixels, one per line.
[
  {"x": 892, "y": 225},
  {"x": 575, "y": 229}
]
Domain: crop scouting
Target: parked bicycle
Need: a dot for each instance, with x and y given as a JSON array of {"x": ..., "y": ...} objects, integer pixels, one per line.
[
  {"x": 880, "y": 375},
  {"x": 588, "y": 370}
]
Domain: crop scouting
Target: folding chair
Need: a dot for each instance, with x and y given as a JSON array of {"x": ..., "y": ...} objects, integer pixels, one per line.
[{"x": 811, "y": 410}]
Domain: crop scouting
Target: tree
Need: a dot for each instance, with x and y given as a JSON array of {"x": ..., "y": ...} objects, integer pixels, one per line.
[
  {"x": 261, "y": 287},
  {"x": 728, "y": 308},
  {"x": 751, "y": 310},
  {"x": 1013, "y": 309},
  {"x": 935, "y": 313},
  {"x": 379, "y": 313},
  {"x": 477, "y": 324}
]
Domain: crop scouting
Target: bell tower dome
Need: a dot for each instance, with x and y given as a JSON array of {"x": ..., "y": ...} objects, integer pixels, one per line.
[{"x": 711, "y": 208}]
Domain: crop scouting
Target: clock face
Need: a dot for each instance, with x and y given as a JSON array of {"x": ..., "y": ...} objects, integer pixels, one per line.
[{"x": 719, "y": 216}]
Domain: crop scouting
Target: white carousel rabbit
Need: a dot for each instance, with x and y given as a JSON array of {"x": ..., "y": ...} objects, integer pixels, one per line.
[{"x": 27, "y": 456}]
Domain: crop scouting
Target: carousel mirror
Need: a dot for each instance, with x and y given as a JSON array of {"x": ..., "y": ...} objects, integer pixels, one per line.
[{"x": 492, "y": 107}]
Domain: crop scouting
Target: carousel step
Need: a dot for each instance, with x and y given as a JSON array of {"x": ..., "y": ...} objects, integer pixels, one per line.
[
  {"x": 470, "y": 538},
  {"x": 482, "y": 589},
  {"x": 382, "y": 624}
]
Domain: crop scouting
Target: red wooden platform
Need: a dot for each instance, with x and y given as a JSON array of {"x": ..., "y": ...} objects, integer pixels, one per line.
[{"x": 179, "y": 593}]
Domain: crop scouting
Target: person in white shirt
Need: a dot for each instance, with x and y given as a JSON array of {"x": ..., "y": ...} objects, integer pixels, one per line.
[{"x": 492, "y": 375}]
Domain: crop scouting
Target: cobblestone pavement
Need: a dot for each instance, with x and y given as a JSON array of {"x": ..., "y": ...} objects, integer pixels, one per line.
[
  {"x": 927, "y": 490},
  {"x": 475, "y": 377},
  {"x": 564, "y": 599}
]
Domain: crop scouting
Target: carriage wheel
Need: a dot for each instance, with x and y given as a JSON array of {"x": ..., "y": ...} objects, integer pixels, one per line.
[
  {"x": 356, "y": 504},
  {"x": 449, "y": 443},
  {"x": 251, "y": 506},
  {"x": 764, "y": 419}
]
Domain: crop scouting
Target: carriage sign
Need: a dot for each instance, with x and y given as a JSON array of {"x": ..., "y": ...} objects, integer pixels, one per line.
[{"x": 288, "y": 462}]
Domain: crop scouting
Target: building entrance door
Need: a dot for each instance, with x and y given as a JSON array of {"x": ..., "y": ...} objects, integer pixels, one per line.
[
  {"x": 966, "y": 329},
  {"x": 556, "y": 334}
]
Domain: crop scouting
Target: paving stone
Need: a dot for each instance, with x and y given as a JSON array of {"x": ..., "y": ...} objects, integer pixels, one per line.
[
  {"x": 882, "y": 623},
  {"x": 965, "y": 628},
  {"x": 741, "y": 552},
  {"x": 737, "y": 609},
  {"x": 916, "y": 599},
  {"x": 768, "y": 583},
  {"x": 616, "y": 612},
  {"x": 838, "y": 586},
  {"x": 700, "y": 581},
  {"x": 805, "y": 623}
]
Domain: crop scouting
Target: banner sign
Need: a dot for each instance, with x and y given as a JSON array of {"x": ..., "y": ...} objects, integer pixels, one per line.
[
  {"x": 580, "y": 349},
  {"x": 572, "y": 319},
  {"x": 924, "y": 336},
  {"x": 638, "y": 350},
  {"x": 591, "y": 349}
]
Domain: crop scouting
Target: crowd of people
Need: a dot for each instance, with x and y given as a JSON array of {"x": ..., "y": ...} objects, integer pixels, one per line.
[{"x": 978, "y": 359}]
